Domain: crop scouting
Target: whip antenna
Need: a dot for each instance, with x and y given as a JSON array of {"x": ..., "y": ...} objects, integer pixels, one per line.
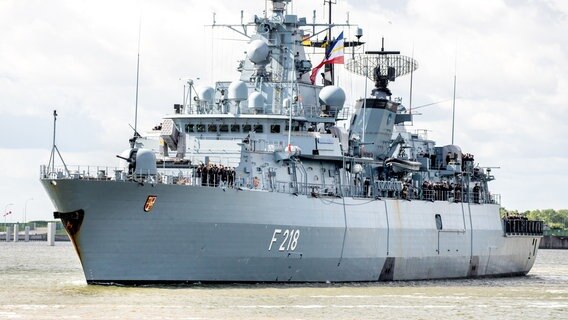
[
  {"x": 137, "y": 80},
  {"x": 454, "y": 100}
]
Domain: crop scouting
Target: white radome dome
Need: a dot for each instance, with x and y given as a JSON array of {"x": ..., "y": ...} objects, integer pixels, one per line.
[
  {"x": 258, "y": 51},
  {"x": 332, "y": 96},
  {"x": 256, "y": 100},
  {"x": 238, "y": 91},
  {"x": 205, "y": 94}
]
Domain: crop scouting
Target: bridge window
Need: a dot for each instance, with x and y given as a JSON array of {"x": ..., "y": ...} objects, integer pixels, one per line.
[
  {"x": 200, "y": 128},
  {"x": 189, "y": 128},
  {"x": 224, "y": 128},
  {"x": 439, "y": 222},
  {"x": 236, "y": 128},
  {"x": 275, "y": 128},
  {"x": 212, "y": 128},
  {"x": 247, "y": 128},
  {"x": 258, "y": 128}
]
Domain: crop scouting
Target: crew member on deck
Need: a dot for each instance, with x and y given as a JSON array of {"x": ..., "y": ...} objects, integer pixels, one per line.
[{"x": 476, "y": 191}]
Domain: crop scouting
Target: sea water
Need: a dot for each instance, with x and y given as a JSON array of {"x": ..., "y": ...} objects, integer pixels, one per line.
[{"x": 42, "y": 282}]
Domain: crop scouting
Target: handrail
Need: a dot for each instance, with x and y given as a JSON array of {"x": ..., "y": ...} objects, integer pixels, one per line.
[
  {"x": 523, "y": 226},
  {"x": 189, "y": 176}
]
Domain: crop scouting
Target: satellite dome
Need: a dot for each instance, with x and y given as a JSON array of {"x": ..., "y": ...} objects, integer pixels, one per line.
[
  {"x": 332, "y": 96},
  {"x": 256, "y": 101},
  {"x": 205, "y": 94},
  {"x": 238, "y": 91},
  {"x": 258, "y": 51}
]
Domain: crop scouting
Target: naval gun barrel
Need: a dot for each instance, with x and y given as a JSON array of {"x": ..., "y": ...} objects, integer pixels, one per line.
[{"x": 123, "y": 158}]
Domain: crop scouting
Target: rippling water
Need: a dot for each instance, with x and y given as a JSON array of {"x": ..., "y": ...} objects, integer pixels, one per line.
[{"x": 42, "y": 282}]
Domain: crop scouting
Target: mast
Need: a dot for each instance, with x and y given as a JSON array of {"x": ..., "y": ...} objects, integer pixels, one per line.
[
  {"x": 329, "y": 67},
  {"x": 53, "y": 146},
  {"x": 411, "y": 78},
  {"x": 55, "y": 149}
]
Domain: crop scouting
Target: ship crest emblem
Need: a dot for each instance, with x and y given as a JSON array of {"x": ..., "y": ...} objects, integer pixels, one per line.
[{"x": 149, "y": 205}]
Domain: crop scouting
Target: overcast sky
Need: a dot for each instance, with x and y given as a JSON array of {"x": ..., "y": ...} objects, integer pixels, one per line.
[{"x": 79, "y": 57}]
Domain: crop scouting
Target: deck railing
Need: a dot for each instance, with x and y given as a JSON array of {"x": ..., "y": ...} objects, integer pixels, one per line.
[
  {"x": 522, "y": 226},
  {"x": 189, "y": 176}
]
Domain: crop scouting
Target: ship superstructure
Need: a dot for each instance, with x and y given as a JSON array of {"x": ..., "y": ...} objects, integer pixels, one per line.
[{"x": 254, "y": 181}]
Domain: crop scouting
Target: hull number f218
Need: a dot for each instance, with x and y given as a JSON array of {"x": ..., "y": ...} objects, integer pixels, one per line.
[{"x": 285, "y": 240}]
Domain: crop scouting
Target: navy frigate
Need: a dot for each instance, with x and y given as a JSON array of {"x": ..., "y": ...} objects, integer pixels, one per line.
[{"x": 254, "y": 180}]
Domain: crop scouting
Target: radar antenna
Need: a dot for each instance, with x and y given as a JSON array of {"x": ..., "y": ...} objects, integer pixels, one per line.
[{"x": 382, "y": 67}]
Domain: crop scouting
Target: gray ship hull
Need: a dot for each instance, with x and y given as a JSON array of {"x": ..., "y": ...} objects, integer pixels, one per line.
[{"x": 201, "y": 234}]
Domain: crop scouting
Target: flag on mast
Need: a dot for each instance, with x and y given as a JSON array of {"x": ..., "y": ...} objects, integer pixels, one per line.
[
  {"x": 334, "y": 54},
  {"x": 306, "y": 40}
]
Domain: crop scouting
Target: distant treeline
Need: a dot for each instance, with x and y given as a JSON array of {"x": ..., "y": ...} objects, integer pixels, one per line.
[{"x": 552, "y": 218}]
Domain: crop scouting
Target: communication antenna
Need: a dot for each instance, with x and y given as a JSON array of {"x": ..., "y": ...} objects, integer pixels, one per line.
[
  {"x": 431, "y": 104},
  {"x": 365, "y": 101},
  {"x": 137, "y": 80},
  {"x": 411, "y": 78},
  {"x": 454, "y": 100},
  {"x": 54, "y": 148}
]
